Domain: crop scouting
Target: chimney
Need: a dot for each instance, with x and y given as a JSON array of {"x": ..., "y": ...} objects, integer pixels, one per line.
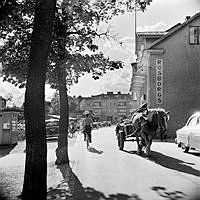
[{"x": 187, "y": 18}]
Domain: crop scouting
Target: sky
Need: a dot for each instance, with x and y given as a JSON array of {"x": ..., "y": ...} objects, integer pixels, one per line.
[{"x": 159, "y": 16}]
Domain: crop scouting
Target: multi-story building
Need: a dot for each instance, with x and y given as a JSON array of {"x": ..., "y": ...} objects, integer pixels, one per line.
[
  {"x": 168, "y": 71},
  {"x": 2, "y": 102},
  {"x": 108, "y": 106}
]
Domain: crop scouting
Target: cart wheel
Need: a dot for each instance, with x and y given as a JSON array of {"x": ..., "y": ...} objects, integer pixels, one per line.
[{"x": 121, "y": 141}]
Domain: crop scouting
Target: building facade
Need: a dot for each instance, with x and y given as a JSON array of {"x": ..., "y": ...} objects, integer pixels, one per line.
[
  {"x": 139, "y": 74},
  {"x": 109, "y": 106},
  {"x": 171, "y": 71},
  {"x": 2, "y": 103}
]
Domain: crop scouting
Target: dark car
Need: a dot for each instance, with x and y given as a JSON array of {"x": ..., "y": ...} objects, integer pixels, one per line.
[
  {"x": 106, "y": 123},
  {"x": 95, "y": 125},
  {"x": 52, "y": 128}
]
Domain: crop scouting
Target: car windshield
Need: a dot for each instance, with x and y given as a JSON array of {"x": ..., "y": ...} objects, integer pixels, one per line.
[
  {"x": 198, "y": 121},
  {"x": 192, "y": 121}
]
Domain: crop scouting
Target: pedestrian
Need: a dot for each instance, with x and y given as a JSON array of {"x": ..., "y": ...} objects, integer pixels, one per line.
[{"x": 87, "y": 129}]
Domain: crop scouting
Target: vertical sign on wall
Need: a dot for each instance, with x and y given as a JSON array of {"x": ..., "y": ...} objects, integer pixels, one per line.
[{"x": 159, "y": 81}]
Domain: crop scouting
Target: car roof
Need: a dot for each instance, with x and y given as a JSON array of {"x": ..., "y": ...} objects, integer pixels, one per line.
[
  {"x": 196, "y": 114},
  {"x": 52, "y": 120}
]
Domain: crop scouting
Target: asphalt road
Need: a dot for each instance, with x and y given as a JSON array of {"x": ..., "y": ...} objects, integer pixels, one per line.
[
  {"x": 113, "y": 174},
  {"x": 106, "y": 173}
]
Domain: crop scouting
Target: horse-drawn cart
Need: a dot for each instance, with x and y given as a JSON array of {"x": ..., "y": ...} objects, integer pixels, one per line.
[{"x": 124, "y": 133}]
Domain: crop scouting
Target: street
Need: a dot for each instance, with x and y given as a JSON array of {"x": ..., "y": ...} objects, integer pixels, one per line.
[
  {"x": 168, "y": 174},
  {"x": 105, "y": 172}
]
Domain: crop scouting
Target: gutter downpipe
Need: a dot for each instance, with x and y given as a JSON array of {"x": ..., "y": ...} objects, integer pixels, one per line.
[{"x": 148, "y": 79}]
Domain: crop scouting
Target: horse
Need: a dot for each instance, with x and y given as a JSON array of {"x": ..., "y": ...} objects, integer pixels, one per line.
[{"x": 148, "y": 125}]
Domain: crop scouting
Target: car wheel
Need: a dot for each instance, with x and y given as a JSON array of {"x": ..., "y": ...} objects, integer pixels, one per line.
[
  {"x": 121, "y": 141},
  {"x": 186, "y": 149}
]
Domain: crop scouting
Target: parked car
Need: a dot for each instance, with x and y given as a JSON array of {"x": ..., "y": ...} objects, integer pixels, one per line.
[
  {"x": 95, "y": 125},
  {"x": 106, "y": 123},
  {"x": 188, "y": 137},
  {"x": 52, "y": 128}
]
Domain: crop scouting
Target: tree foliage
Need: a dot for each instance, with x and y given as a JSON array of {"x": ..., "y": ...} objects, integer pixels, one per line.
[
  {"x": 73, "y": 104},
  {"x": 7, "y": 9},
  {"x": 73, "y": 47}
]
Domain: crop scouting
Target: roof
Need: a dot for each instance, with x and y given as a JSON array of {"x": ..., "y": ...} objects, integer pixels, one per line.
[
  {"x": 174, "y": 29},
  {"x": 151, "y": 34},
  {"x": 2, "y": 98},
  {"x": 175, "y": 26},
  {"x": 108, "y": 94}
]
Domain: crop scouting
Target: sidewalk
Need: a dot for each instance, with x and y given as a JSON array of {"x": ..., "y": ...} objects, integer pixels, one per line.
[
  {"x": 69, "y": 181},
  {"x": 12, "y": 163}
]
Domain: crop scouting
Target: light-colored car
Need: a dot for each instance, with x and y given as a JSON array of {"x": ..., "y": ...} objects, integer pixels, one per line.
[{"x": 188, "y": 137}]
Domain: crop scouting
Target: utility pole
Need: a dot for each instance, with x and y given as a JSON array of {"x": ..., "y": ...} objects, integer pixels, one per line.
[{"x": 135, "y": 14}]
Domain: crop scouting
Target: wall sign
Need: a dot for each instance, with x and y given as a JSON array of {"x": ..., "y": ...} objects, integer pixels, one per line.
[{"x": 159, "y": 81}]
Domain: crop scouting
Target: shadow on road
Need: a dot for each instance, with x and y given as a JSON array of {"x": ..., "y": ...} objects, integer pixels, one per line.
[
  {"x": 167, "y": 140},
  {"x": 173, "y": 163},
  {"x": 5, "y": 150},
  {"x": 169, "y": 162},
  {"x": 131, "y": 152},
  {"x": 164, "y": 193},
  {"x": 72, "y": 189},
  {"x": 194, "y": 153},
  {"x": 93, "y": 150}
]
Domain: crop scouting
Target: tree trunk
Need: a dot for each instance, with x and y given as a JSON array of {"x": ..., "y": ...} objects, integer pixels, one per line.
[
  {"x": 35, "y": 180},
  {"x": 62, "y": 149}
]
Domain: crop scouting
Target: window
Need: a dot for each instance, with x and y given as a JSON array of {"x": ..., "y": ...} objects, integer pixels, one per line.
[
  {"x": 97, "y": 103},
  {"x": 134, "y": 96},
  {"x": 194, "y": 34},
  {"x": 121, "y": 103}
]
